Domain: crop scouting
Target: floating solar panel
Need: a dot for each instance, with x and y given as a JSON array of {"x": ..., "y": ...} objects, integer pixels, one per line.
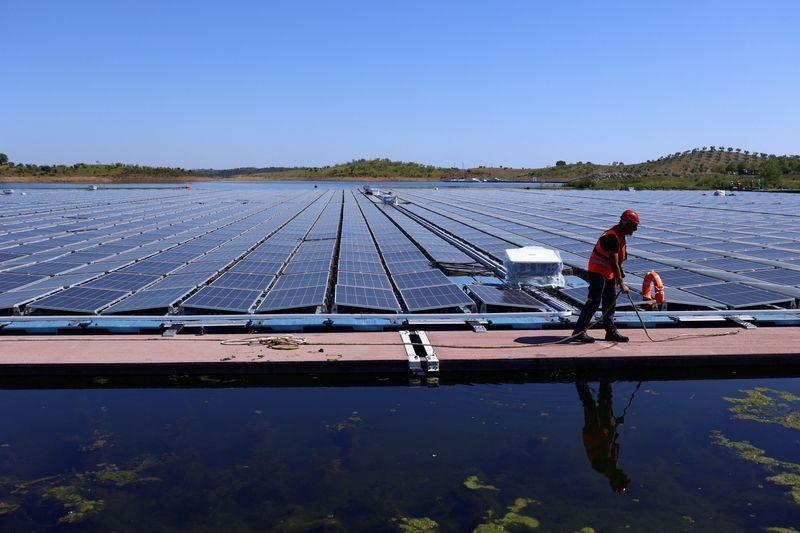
[
  {"x": 122, "y": 282},
  {"x": 48, "y": 268},
  {"x": 424, "y": 278},
  {"x": 151, "y": 267},
  {"x": 298, "y": 267},
  {"x": 256, "y": 267},
  {"x": 295, "y": 281},
  {"x": 776, "y": 255},
  {"x": 408, "y": 266},
  {"x": 361, "y": 266},
  {"x": 240, "y": 280},
  {"x": 9, "y": 280},
  {"x": 692, "y": 254},
  {"x": 736, "y": 295},
  {"x": 684, "y": 278},
  {"x": 78, "y": 300},
  {"x": 504, "y": 297},
  {"x": 439, "y": 297},
  {"x": 11, "y": 299},
  {"x": 360, "y": 279},
  {"x": 101, "y": 267},
  {"x": 156, "y": 298},
  {"x": 732, "y": 264},
  {"x": 301, "y": 297},
  {"x": 223, "y": 299},
  {"x": 190, "y": 280},
  {"x": 778, "y": 276},
  {"x": 366, "y": 298},
  {"x": 635, "y": 264},
  {"x": 202, "y": 266}
]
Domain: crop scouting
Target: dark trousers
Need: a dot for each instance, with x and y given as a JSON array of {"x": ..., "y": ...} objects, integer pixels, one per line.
[{"x": 600, "y": 290}]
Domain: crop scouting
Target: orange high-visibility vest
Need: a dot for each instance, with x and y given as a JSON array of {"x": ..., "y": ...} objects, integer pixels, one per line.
[{"x": 600, "y": 261}]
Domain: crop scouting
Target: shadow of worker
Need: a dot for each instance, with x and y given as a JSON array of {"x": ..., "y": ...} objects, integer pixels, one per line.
[{"x": 600, "y": 432}]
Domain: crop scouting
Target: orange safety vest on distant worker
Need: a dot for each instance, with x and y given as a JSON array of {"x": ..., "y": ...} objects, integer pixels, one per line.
[{"x": 600, "y": 261}]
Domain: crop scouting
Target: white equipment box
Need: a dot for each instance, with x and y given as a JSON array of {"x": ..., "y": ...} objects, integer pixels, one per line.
[{"x": 534, "y": 266}]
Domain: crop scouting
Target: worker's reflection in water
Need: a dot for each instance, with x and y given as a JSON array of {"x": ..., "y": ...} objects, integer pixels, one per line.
[{"x": 600, "y": 433}]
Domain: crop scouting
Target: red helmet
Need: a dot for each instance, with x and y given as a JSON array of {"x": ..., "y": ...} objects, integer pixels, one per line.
[{"x": 630, "y": 215}]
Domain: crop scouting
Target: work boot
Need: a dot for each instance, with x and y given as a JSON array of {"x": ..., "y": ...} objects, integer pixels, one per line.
[
  {"x": 614, "y": 336},
  {"x": 582, "y": 337}
]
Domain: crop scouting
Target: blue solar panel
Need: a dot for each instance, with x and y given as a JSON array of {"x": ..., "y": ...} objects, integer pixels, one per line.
[
  {"x": 360, "y": 279},
  {"x": 438, "y": 297},
  {"x": 121, "y": 282},
  {"x": 239, "y": 280},
  {"x": 10, "y": 280},
  {"x": 737, "y": 295},
  {"x": 223, "y": 299},
  {"x": 79, "y": 300},
  {"x": 155, "y": 298},
  {"x": 366, "y": 298},
  {"x": 425, "y": 278},
  {"x": 295, "y": 281},
  {"x": 300, "y": 297}
]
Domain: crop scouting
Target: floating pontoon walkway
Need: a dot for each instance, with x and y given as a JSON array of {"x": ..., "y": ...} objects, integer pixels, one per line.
[{"x": 392, "y": 353}]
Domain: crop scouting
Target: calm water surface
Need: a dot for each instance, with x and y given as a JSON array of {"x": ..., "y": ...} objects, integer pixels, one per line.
[{"x": 607, "y": 455}]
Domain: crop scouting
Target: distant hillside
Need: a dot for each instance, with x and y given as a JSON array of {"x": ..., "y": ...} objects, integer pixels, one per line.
[
  {"x": 93, "y": 173},
  {"x": 386, "y": 169},
  {"x": 698, "y": 168},
  {"x": 706, "y": 167}
]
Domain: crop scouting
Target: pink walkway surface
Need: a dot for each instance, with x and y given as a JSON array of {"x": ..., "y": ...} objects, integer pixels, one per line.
[{"x": 384, "y": 352}]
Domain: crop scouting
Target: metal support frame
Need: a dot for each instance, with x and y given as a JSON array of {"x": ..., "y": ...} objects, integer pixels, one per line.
[{"x": 419, "y": 364}]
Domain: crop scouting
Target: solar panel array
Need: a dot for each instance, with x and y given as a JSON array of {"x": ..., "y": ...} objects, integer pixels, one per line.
[
  {"x": 718, "y": 252},
  {"x": 130, "y": 251}
]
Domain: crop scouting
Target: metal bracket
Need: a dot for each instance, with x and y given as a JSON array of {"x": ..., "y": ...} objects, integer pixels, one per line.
[
  {"x": 476, "y": 325},
  {"x": 172, "y": 330},
  {"x": 742, "y": 321},
  {"x": 419, "y": 349},
  {"x": 414, "y": 363}
]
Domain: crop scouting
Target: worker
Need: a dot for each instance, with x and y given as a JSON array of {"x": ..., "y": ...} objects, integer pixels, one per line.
[
  {"x": 605, "y": 275},
  {"x": 600, "y": 433}
]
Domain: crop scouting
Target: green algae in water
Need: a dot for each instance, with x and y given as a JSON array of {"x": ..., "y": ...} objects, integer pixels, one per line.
[
  {"x": 787, "y": 473},
  {"x": 474, "y": 483},
  {"x": 780, "y": 530},
  {"x": 416, "y": 525},
  {"x": 78, "y": 508},
  {"x": 8, "y": 507},
  {"x": 768, "y": 406},
  {"x": 513, "y": 520}
]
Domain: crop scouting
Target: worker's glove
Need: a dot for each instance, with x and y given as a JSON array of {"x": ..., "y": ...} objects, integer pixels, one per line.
[{"x": 624, "y": 288}]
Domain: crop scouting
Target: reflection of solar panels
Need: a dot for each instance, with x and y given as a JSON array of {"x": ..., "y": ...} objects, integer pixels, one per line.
[
  {"x": 500, "y": 297},
  {"x": 737, "y": 295}
]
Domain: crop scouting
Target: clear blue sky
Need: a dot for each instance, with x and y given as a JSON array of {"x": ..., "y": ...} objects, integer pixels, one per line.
[{"x": 222, "y": 84}]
